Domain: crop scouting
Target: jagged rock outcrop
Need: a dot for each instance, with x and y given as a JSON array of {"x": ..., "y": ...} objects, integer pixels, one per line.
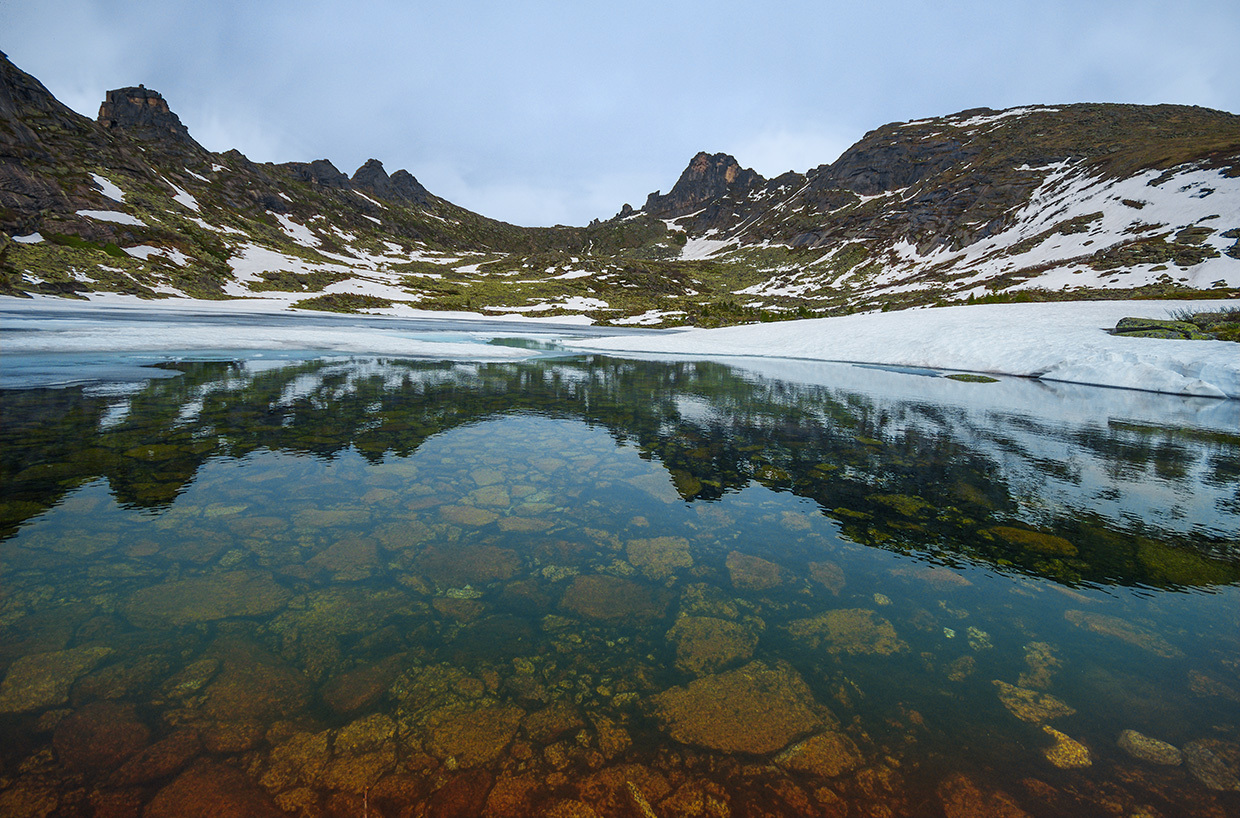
[
  {"x": 401, "y": 185},
  {"x": 320, "y": 172},
  {"x": 707, "y": 177},
  {"x": 143, "y": 113}
]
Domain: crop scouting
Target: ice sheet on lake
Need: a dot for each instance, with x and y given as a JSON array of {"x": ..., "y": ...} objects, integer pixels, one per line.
[{"x": 1063, "y": 341}]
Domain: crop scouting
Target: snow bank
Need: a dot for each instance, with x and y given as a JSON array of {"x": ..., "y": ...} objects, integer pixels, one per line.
[{"x": 1065, "y": 341}]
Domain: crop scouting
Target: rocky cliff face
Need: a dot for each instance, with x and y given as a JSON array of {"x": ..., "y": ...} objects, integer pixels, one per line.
[
  {"x": 708, "y": 177},
  {"x": 143, "y": 114},
  {"x": 320, "y": 172},
  {"x": 400, "y": 186}
]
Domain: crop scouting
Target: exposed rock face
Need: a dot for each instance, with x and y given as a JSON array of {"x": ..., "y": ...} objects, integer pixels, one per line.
[
  {"x": 320, "y": 172},
  {"x": 401, "y": 185},
  {"x": 707, "y": 177},
  {"x": 143, "y": 113}
]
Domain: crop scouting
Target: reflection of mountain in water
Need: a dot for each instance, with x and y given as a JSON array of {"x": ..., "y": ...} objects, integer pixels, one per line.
[{"x": 1110, "y": 502}]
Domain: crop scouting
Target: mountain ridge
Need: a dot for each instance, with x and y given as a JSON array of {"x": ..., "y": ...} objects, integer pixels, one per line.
[{"x": 1083, "y": 200}]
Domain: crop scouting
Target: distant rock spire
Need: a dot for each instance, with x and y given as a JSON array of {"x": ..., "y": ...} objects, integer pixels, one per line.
[
  {"x": 707, "y": 177},
  {"x": 400, "y": 186},
  {"x": 142, "y": 113}
]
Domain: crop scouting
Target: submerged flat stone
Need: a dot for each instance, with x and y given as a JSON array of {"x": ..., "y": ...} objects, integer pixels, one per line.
[
  {"x": 753, "y": 573},
  {"x": 1066, "y": 753},
  {"x": 43, "y": 679},
  {"x": 1209, "y": 768},
  {"x": 705, "y": 644},
  {"x": 963, "y": 798},
  {"x": 659, "y": 557},
  {"x": 1031, "y": 705},
  {"x": 605, "y": 597},
  {"x": 848, "y": 630},
  {"x": 205, "y": 599},
  {"x": 1125, "y": 631},
  {"x": 826, "y": 755},
  {"x": 472, "y": 734},
  {"x": 754, "y": 709},
  {"x": 1149, "y": 749}
]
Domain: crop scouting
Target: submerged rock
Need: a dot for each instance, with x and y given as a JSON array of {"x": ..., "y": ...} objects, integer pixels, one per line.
[
  {"x": 829, "y": 575},
  {"x": 1124, "y": 631},
  {"x": 1066, "y": 753},
  {"x": 1209, "y": 768},
  {"x": 160, "y": 760},
  {"x": 1043, "y": 664},
  {"x": 705, "y": 644},
  {"x": 100, "y": 736},
  {"x": 348, "y": 560},
  {"x": 253, "y": 686},
  {"x": 825, "y": 755},
  {"x": 210, "y": 789},
  {"x": 659, "y": 557},
  {"x": 753, "y": 573},
  {"x": 43, "y": 679},
  {"x": 849, "y": 630},
  {"x": 1030, "y": 705},
  {"x": 472, "y": 734},
  {"x": 459, "y": 565},
  {"x": 205, "y": 599},
  {"x": 963, "y": 798},
  {"x": 754, "y": 709},
  {"x": 605, "y": 597},
  {"x": 1149, "y": 749}
]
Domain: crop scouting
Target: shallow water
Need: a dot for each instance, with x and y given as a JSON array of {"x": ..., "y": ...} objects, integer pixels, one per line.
[{"x": 379, "y": 587}]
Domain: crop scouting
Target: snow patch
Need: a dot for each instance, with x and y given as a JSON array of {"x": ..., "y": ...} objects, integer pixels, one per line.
[
  {"x": 108, "y": 187},
  {"x": 146, "y": 251},
  {"x": 295, "y": 231},
  {"x": 696, "y": 249},
  {"x": 112, "y": 216},
  {"x": 184, "y": 198},
  {"x": 32, "y": 238}
]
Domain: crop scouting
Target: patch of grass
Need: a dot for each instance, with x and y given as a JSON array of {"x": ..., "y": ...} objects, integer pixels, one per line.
[
  {"x": 968, "y": 377},
  {"x": 284, "y": 281},
  {"x": 343, "y": 302},
  {"x": 1221, "y": 325}
]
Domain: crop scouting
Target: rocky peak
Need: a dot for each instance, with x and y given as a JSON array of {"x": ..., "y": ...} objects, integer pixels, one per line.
[
  {"x": 707, "y": 177},
  {"x": 400, "y": 186},
  {"x": 320, "y": 172},
  {"x": 142, "y": 113}
]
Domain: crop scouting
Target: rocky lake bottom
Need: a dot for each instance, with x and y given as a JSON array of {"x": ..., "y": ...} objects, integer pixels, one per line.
[{"x": 596, "y": 586}]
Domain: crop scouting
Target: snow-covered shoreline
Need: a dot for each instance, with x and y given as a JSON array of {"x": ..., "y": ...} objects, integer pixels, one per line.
[{"x": 1058, "y": 341}]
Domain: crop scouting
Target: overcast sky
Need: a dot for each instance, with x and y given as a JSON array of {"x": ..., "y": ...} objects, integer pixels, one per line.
[{"x": 561, "y": 111}]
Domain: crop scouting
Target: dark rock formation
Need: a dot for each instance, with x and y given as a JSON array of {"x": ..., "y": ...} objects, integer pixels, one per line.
[
  {"x": 885, "y": 160},
  {"x": 407, "y": 187},
  {"x": 707, "y": 177},
  {"x": 142, "y": 113},
  {"x": 400, "y": 186},
  {"x": 320, "y": 172}
]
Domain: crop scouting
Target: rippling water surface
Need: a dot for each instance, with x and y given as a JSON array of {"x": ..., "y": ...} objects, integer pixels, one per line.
[{"x": 601, "y": 586}]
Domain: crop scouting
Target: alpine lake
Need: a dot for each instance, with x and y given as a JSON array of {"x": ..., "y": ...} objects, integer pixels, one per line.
[{"x": 596, "y": 586}]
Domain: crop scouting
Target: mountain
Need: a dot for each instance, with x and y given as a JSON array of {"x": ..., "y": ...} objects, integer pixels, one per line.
[{"x": 1081, "y": 201}]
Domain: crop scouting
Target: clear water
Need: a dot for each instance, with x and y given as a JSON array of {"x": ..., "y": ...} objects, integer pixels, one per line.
[{"x": 373, "y": 587}]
